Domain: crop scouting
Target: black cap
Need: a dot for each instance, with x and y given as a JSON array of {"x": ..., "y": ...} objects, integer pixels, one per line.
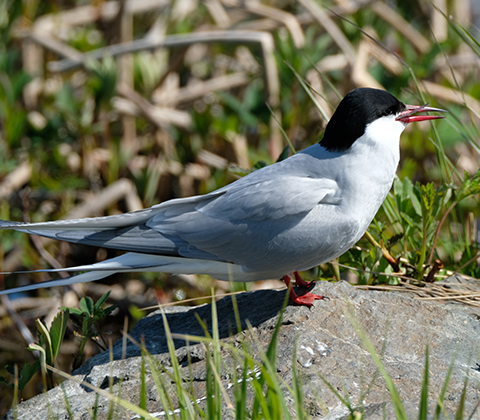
[{"x": 357, "y": 109}]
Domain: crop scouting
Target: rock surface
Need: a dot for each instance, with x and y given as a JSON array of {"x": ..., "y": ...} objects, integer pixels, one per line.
[{"x": 326, "y": 343}]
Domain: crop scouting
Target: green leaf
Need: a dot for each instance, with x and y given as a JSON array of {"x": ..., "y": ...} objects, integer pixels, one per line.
[
  {"x": 236, "y": 170},
  {"x": 259, "y": 165},
  {"x": 245, "y": 116},
  {"x": 11, "y": 370},
  {"x": 86, "y": 305},
  {"x": 428, "y": 195},
  {"x": 57, "y": 332},
  {"x": 27, "y": 373},
  {"x": 24, "y": 375},
  {"x": 108, "y": 311},
  {"x": 408, "y": 219},
  {"x": 470, "y": 186},
  {"x": 87, "y": 327},
  {"x": 102, "y": 300},
  {"x": 5, "y": 382},
  {"x": 414, "y": 194},
  {"x": 284, "y": 154},
  {"x": 72, "y": 311}
]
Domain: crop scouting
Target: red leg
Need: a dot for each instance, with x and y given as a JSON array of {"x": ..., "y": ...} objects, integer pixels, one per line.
[
  {"x": 302, "y": 283},
  {"x": 305, "y": 299}
]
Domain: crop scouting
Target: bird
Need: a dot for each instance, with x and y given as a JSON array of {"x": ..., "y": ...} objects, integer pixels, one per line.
[{"x": 271, "y": 224}]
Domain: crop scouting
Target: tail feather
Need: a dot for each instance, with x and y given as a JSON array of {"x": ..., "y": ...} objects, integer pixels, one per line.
[
  {"x": 129, "y": 262},
  {"x": 134, "y": 262},
  {"x": 80, "y": 278},
  {"x": 89, "y": 223}
]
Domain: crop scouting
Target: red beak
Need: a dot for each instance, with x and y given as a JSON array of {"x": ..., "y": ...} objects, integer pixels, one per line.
[{"x": 408, "y": 115}]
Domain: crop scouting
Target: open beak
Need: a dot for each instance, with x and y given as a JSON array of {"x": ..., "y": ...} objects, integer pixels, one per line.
[{"x": 409, "y": 116}]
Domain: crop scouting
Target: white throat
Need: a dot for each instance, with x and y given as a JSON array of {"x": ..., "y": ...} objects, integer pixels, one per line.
[
  {"x": 380, "y": 144},
  {"x": 372, "y": 163},
  {"x": 384, "y": 132}
]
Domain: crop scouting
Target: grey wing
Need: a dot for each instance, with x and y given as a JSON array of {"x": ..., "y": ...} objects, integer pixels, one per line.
[
  {"x": 126, "y": 231},
  {"x": 249, "y": 223},
  {"x": 241, "y": 223}
]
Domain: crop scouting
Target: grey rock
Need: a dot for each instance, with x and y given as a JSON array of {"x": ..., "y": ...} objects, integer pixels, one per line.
[{"x": 326, "y": 344}]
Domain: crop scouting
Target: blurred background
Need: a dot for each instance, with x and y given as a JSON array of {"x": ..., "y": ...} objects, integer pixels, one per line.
[{"x": 113, "y": 106}]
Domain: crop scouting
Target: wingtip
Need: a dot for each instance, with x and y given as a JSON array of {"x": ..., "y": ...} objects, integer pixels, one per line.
[{"x": 8, "y": 224}]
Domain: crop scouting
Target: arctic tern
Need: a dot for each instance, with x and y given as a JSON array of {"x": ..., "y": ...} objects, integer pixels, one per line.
[{"x": 287, "y": 217}]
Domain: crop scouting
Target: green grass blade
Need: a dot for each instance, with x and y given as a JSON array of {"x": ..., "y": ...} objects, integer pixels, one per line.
[
  {"x": 160, "y": 386},
  {"x": 441, "y": 397},
  {"x": 395, "y": 397},
  {"x": 143, "y": 382},
  {"x": 240, "y": 393},
  {"x": 269, "y": 373},
  {"x": 216, "y": 360},
  {"x": 190, "y": 384},
  {"x": 423, "y": 411},
  {"x": 281, "y": 128},
  {"x": 236, "y": 311},
  {"x": 275, "y": 400},
  {"x": 104, "y": 393},
  {"x": 210, "y": 386},
  {"x": 259, "y": 400},
  {"x": 461, "y": 406},
  {"x": 308, "y": 91},
  {"x": 297, "y": 388},
  {"x": 183, "y": 401},
  {"x": 336, "y": 393},
  {"x": 270, "y": 356}
]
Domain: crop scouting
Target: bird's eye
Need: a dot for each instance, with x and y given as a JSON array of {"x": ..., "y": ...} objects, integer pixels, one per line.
[{"x": 388, "y": 111}]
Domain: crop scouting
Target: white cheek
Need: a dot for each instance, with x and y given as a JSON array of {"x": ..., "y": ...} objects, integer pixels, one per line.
[{"x": 385, "y": 132}]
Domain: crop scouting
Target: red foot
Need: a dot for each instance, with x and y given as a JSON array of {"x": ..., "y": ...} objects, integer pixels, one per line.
[{"x": 306, "y": 299}]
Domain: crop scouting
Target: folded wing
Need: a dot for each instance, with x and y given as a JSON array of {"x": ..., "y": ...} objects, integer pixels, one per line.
[{"x": 239, "y": 224}]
